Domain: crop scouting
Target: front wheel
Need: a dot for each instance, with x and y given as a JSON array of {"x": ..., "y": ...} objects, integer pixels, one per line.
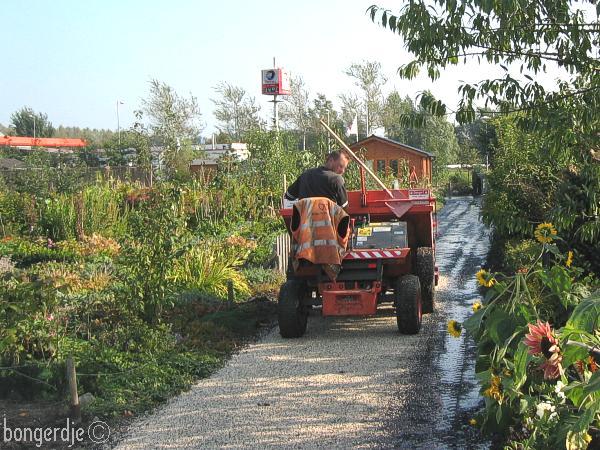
[
  {"x": 291, "y": 314},
  {"x": 408, "y": 304}
]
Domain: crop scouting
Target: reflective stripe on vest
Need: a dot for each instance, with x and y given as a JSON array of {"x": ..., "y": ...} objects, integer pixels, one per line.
[
  {"x": 320, "y": 242},
  {"x": 316, "y": 223}
]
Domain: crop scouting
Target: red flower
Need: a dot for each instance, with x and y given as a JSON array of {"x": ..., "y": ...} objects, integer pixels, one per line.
[{"x": 540, "y": 340}]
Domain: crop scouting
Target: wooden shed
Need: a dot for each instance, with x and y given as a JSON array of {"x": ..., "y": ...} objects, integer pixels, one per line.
[{"x": 385, "y": 155}]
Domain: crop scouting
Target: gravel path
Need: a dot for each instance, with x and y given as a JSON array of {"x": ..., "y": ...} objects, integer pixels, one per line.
[{"x": 349, "y": 382}]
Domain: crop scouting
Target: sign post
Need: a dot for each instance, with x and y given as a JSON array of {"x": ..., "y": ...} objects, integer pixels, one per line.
[{"x": 275, "y": 81}]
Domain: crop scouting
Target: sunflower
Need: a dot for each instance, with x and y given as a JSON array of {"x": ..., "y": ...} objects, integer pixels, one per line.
[
  {"x": 476, "y": 306},
  {"x": 588, "y": 364},
  {"x": 540, "y": 340},
  {"x": 485, "y": 279},
  {"x": 545, "y": 233},
  {"x": 454, "y": 328},
  {"x": 494, "y": 390},
  {"x": 569, "y": 260}
]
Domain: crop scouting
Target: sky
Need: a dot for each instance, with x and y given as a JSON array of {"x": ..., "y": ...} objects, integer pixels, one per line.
[{"x": 74, "y": 60}]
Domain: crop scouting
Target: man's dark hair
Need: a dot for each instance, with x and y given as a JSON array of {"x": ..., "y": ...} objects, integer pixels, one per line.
[{"x": 335, "y": 155}]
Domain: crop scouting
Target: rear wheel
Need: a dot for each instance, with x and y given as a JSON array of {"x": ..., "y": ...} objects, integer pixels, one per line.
[
  {"x": 291, "y": 314},
  {"x": 426, "y": 274},
  {"x": 408, "y": 304}
]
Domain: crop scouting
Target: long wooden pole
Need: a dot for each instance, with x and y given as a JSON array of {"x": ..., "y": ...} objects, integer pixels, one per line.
[{"x": 356, "y": 158}]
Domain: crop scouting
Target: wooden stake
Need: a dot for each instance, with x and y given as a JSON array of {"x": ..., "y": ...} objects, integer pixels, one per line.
[{"x": 72, "y": 379}]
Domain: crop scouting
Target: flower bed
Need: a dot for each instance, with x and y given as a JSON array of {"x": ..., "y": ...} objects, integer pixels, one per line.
[{"x": 537, "y": 335}]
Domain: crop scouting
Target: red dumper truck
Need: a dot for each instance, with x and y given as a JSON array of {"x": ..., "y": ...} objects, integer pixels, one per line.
[{"x": 390, "y": 257}]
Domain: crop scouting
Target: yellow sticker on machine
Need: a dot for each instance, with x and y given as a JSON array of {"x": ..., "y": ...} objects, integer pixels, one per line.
[{"x": 367, "y": 231}]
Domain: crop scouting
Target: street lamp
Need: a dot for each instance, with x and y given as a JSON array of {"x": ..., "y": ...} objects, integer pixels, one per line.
[{"x": 119, "y": 102}]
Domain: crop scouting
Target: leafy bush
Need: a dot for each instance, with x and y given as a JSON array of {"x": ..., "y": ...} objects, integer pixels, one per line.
[{"x": 535, "y": 343}]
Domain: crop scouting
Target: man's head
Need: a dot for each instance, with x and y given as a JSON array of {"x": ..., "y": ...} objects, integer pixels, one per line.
[{"x": 337, "y": 162}]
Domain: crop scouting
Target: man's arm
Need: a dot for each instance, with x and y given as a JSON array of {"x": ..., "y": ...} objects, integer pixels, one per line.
[
  {"x": 341, "y": 195},
  {"x": 293, "y": 192}
]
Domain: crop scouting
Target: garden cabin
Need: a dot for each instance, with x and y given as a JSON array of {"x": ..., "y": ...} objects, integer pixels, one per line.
[{"x": 384, "y": 157}]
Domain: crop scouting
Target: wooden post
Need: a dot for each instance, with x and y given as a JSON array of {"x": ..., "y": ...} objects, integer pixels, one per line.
[
  {"x": 72, "y": 379},
  {"x": 230, "y": 293}
]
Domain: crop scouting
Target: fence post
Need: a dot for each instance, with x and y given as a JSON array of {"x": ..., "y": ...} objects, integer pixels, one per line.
[{"x": 74, "y": 401}]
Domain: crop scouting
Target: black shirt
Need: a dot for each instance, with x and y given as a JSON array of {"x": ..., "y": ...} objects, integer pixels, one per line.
[{"x": 319, "y": 182}]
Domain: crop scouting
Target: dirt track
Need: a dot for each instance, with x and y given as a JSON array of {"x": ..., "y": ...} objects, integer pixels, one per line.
[{"x": 348, "y": 382}]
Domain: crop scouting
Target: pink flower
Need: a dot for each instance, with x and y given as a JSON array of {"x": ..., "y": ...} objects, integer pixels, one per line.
[
  {"x": 540, "y": 340},
  {"x": 50, "y": 317}
]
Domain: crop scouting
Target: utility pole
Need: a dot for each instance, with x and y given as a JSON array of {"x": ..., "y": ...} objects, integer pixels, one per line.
[
  {"x": 275, "y": 111},
  {"x": 119, "y": 102}
]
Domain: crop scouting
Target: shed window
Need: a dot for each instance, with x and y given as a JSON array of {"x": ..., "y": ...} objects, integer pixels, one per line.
[
  {"x": 394, "y": 167},
  {"x": 381, "y": 166}
]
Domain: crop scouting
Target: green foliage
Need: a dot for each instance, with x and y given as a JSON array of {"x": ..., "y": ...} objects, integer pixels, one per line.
[
  {"x": 451, "y": 32},
  {"x": 523, "y": 182},
  {"x": 237, "y": 114},
  {"x": 27, "y": 122},
  {"x": 211, "y": 264},
  {"x": 533, "y": 407},
  {"x": 156, "y": 229}
]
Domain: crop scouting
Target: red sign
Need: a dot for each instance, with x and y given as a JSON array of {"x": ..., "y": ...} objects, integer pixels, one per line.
[{"x": 275, "y": 82}]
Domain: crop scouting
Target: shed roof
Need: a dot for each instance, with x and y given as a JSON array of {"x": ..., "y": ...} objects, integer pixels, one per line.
[{"x": 391, "y": 141}]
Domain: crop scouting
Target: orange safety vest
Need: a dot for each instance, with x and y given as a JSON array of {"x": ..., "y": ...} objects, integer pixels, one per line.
[{"x": 320, "y": 230}]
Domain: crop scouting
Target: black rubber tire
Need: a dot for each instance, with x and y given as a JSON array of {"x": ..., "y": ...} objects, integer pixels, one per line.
[
  {"x": 426, "y": 274},
  {"x": 291, "y": 314},
  {"x": 408, "y": 304}
]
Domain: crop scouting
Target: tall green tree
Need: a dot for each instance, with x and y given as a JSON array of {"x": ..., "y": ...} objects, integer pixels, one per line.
[
  {"x": 236, "y": 112},
  {"x": 396, "y": 108},
  {"x": 174, "y": 124},
  {"x": 295, "y": 111},
  {"x": 26, "y": 122},
  {"x": 368, "y": 77}
]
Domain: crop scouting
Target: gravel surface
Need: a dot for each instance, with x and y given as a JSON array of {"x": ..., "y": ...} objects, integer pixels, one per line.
[{"x": 349, "y": 382}]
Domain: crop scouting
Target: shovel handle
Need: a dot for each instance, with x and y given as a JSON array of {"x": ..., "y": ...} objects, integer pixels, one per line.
[{"x": 356, "y": 158}]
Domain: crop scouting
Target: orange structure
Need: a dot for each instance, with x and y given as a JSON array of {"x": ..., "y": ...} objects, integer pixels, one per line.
[
  {"x": 15, "y": 141},
  {"x": 384, "y": 155}
]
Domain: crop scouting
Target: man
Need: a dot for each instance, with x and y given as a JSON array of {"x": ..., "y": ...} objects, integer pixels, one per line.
[{"x": 325, "y": 181}]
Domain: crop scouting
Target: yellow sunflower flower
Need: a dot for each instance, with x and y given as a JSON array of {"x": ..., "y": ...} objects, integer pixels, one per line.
[
  {"x": 476, "y": 306},
  {"x": 454, "y": 328},
  {"x": 569, "y": 260},
  {"x": 485, "y": 279},
  {"x": 494, "y": 390},
  {"x": 545, "y": 233}
]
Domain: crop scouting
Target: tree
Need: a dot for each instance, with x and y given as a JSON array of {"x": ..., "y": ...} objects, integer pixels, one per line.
[
  {"x": 237, "y": 114},
  {"x": 27, "y": 122},
  {"x": 172, "y": 118},
  {"x": 432, "y": 134},
  {"x": 395, "y": 109},
  {"x": 296, "y": 108},
  {"x": 523, "y": 39},
  {"x": 323, "y": 109},
  {"x": 352, "y": 107},
  {"x": 174, "y": 124},
  {"x": 369, "y": 79},
  {"x": 514, "y": 36},
  {"x": 479, "y": 135}
]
